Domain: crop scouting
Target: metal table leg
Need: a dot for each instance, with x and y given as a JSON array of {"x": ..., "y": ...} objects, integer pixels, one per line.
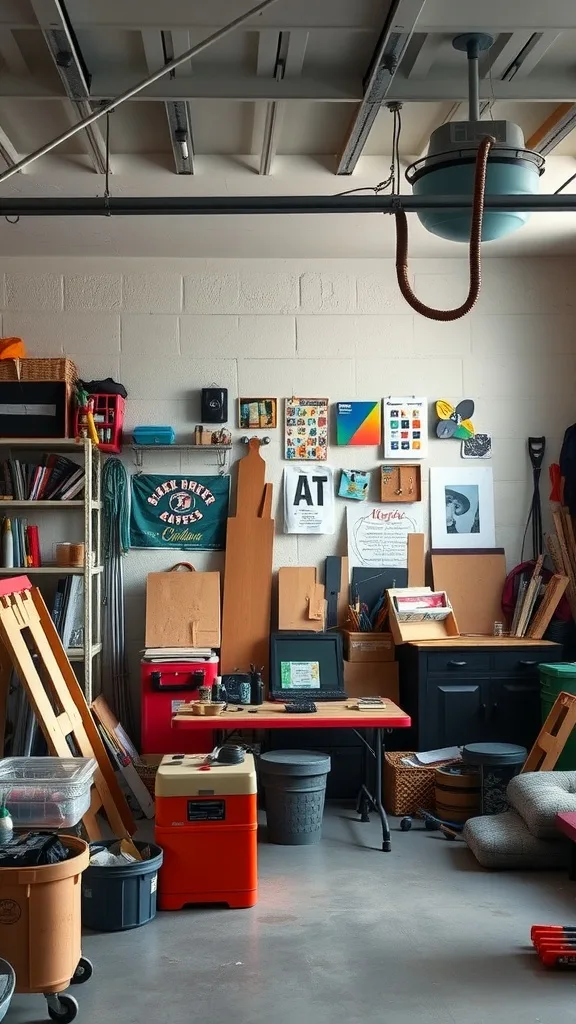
[{"x": 370, "y": 795}]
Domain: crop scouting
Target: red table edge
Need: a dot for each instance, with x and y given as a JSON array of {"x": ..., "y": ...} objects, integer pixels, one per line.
[
  {"x": 566, "y": 823},
  {"x": 241, "y": 721}
]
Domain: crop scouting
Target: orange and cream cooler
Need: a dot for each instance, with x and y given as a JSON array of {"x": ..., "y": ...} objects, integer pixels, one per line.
[{"x": 206, "y": 824}]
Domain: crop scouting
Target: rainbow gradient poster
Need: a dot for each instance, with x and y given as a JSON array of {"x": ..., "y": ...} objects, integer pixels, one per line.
[{"x": 358, "y": 423}]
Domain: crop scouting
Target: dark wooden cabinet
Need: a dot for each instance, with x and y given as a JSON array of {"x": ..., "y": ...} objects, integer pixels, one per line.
[
  {"x": 451, "y": 709},
  {"x": 472, "y": 691}
]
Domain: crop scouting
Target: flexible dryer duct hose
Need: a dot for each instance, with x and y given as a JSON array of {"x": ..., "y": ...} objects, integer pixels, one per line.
[{"x": 474, "y": 259}]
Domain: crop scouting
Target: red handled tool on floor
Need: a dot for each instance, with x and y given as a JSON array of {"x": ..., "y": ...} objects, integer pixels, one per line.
[{"x": 555, "y": 944}]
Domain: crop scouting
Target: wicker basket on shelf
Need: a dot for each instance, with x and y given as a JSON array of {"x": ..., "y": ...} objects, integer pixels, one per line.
[
  {"x": 59, "y": 368},
  {"x": 407, "y": 788}
]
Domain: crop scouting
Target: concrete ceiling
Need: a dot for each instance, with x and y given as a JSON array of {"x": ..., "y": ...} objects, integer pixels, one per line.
[{"x": 292, "y": 101}]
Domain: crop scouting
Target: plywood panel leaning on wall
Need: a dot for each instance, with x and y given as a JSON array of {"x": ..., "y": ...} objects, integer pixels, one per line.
[
  {"x": 301, "y": 603},
  {"x": 248, "y": 569}
]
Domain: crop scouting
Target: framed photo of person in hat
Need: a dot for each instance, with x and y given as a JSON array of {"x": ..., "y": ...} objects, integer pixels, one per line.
[{"x": 462, "y": 508}]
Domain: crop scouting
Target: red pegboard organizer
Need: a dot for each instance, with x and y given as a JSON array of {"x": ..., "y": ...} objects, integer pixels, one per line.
[{"x": 108, "y": 420}]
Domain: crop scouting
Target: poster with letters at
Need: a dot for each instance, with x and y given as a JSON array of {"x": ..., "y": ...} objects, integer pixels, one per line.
[
  {"x": 182, "y": 512},
  {"x": 308, "y": 499},
  {"x": 378, "y": 534}
]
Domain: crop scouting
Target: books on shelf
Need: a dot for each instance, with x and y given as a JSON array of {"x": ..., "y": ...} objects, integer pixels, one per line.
[
  {"x": 68, "y": 611},
  {"x": 20, "y": 544},
  {"x": 55, "y": 478}
]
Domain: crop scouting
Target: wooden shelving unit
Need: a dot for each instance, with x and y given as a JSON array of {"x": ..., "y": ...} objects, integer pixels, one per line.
[{"x": 91, "y": 507}]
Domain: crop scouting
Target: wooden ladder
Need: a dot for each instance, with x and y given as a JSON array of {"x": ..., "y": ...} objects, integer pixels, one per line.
[
  {"x": 27, "y": 630},
  {"x": 553, "y": 735}
]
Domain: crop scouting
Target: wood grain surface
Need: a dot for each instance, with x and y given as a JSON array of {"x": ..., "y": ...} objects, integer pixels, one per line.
[{"x": 341, "y": 714}]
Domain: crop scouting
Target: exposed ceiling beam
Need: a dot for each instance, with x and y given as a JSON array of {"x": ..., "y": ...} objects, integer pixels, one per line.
[
  {"x": 330, "y": 88},
  {"x": 556, "y": 127},
  {"x": 503, "y": 52},
  {"x": 215, "y": 206},
  {"x": 70, "y": 65},
  {"x": 11, "y": 54},
  {"x": 425, "y": 57},
  {"x": 394, "y": 38},
  {"x": 202, "y": 17},
  {"x": 288, "y": 63},
  {"x": 14, "y": 61},
  {"x": 557, "y": 88},
  {"x": 265, "y": 63},
  {"x": 179, "y": 115},
  {"x": 180, "y": 125},
  {"x": 530, "y": 55},
  {"x": 8, "y": 151},
  {"x": 158, "y": 50}
]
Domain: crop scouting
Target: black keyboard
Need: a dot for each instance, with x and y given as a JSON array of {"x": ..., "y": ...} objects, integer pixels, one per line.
[{"x": 317, "y": 695}]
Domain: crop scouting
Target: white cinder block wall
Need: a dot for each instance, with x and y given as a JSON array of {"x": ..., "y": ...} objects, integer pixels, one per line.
[{"x": 339, "y": 328}]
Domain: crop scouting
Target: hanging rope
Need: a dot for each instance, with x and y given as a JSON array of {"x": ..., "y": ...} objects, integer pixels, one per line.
[
  {"x": 474, "y": 258},
  {"x": 115, "y": 506}
]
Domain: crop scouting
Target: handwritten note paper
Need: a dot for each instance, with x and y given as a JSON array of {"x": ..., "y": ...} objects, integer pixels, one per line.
[{"x": 378, "y": 534}]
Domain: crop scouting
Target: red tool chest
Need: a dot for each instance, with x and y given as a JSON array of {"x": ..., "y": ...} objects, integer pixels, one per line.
[
  {"x": 207, "y": 824},
  {"x": 165, "y": 686}
]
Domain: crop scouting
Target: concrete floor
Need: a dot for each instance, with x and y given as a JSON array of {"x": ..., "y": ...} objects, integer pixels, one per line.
[{"x": 342, "y": 934}]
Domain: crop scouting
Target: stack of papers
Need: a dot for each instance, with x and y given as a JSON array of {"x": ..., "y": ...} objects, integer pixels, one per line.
[
  {"x": 429, "y": 757},
  {"x": 422, "y": 607},
  {"x": 180, "y": 654}
]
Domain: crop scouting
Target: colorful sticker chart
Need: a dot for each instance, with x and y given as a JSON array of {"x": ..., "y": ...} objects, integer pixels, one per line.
[
  {"x": 306, "y": 429},
  {"x": 405, "y": 427},
  {"x": 358, "y": 423}
]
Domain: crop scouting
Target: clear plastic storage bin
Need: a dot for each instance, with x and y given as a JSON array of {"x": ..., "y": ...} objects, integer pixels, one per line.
[{"x": 46, "y": 792}]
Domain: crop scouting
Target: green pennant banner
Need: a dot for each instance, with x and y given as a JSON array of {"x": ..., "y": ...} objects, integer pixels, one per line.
[{"x": 180, "y": 512}]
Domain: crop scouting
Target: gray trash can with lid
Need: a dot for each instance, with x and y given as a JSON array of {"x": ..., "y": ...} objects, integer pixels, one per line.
[
  {"x": 498, "y": 764},
  {"x": 294, "y": 782}
]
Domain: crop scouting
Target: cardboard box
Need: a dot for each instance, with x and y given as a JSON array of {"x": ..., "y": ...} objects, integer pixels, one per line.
[
  {"x": 407, "y": 632},
  {"x": 368, "y": 647},
  {"x": 182, "y": 609},
  {"x": 376, "y": 679}
]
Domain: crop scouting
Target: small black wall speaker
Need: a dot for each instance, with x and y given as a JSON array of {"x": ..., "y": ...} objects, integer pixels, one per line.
[{"x": 214, "y": 405}]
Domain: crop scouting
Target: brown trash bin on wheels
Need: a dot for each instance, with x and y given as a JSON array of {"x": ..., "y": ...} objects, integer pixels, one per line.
[{"x": 40, "y": 928}]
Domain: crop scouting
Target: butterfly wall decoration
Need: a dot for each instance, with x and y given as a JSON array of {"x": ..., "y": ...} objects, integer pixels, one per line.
[{"x": 455, "y": 422}]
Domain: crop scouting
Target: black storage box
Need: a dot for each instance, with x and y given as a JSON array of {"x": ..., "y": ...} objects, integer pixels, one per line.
[{"x": 34, "y": 408}]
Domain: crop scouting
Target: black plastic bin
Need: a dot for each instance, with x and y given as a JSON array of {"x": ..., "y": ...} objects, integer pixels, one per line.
[
  {"x": 294, "y": 782},
  {"x": 117, "y": 898}
]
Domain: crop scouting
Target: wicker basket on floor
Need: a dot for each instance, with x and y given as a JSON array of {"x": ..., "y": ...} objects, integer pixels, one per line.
[
  {"x": 147, "y": 768},
  {"x": 407, "y": 788}
]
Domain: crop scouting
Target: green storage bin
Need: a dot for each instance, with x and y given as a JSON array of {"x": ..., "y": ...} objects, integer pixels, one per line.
[{"x": 554, "y": 678}]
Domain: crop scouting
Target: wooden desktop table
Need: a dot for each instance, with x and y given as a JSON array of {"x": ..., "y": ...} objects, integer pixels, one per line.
[{"x": 369, "y": 726}]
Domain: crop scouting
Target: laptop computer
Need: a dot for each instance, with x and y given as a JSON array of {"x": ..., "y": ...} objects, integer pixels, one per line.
[{"x": 306, "y": 666}]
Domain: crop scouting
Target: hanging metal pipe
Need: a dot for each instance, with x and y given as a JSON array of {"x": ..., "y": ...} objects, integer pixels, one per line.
[
  {"x": 108, "y": 107},
  {"x": 186, "y": 206},
  {"x": 473, "y": 81}
]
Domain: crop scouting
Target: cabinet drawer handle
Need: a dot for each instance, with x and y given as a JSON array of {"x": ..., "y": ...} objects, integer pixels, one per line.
[
  {"x": 527, "y": 664},
  {"x": 457, "y": 664},
  {"x": 482, "y": 710},
  {"x": 494, "y": 709}
]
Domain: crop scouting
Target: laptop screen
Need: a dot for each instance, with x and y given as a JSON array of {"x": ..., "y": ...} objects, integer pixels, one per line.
[{"x": 302, "y": 661}]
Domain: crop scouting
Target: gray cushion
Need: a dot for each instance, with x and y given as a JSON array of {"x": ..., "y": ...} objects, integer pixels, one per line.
[
  {"x": 539, "y": 796},
  {"x": 503, "y": 841}
]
